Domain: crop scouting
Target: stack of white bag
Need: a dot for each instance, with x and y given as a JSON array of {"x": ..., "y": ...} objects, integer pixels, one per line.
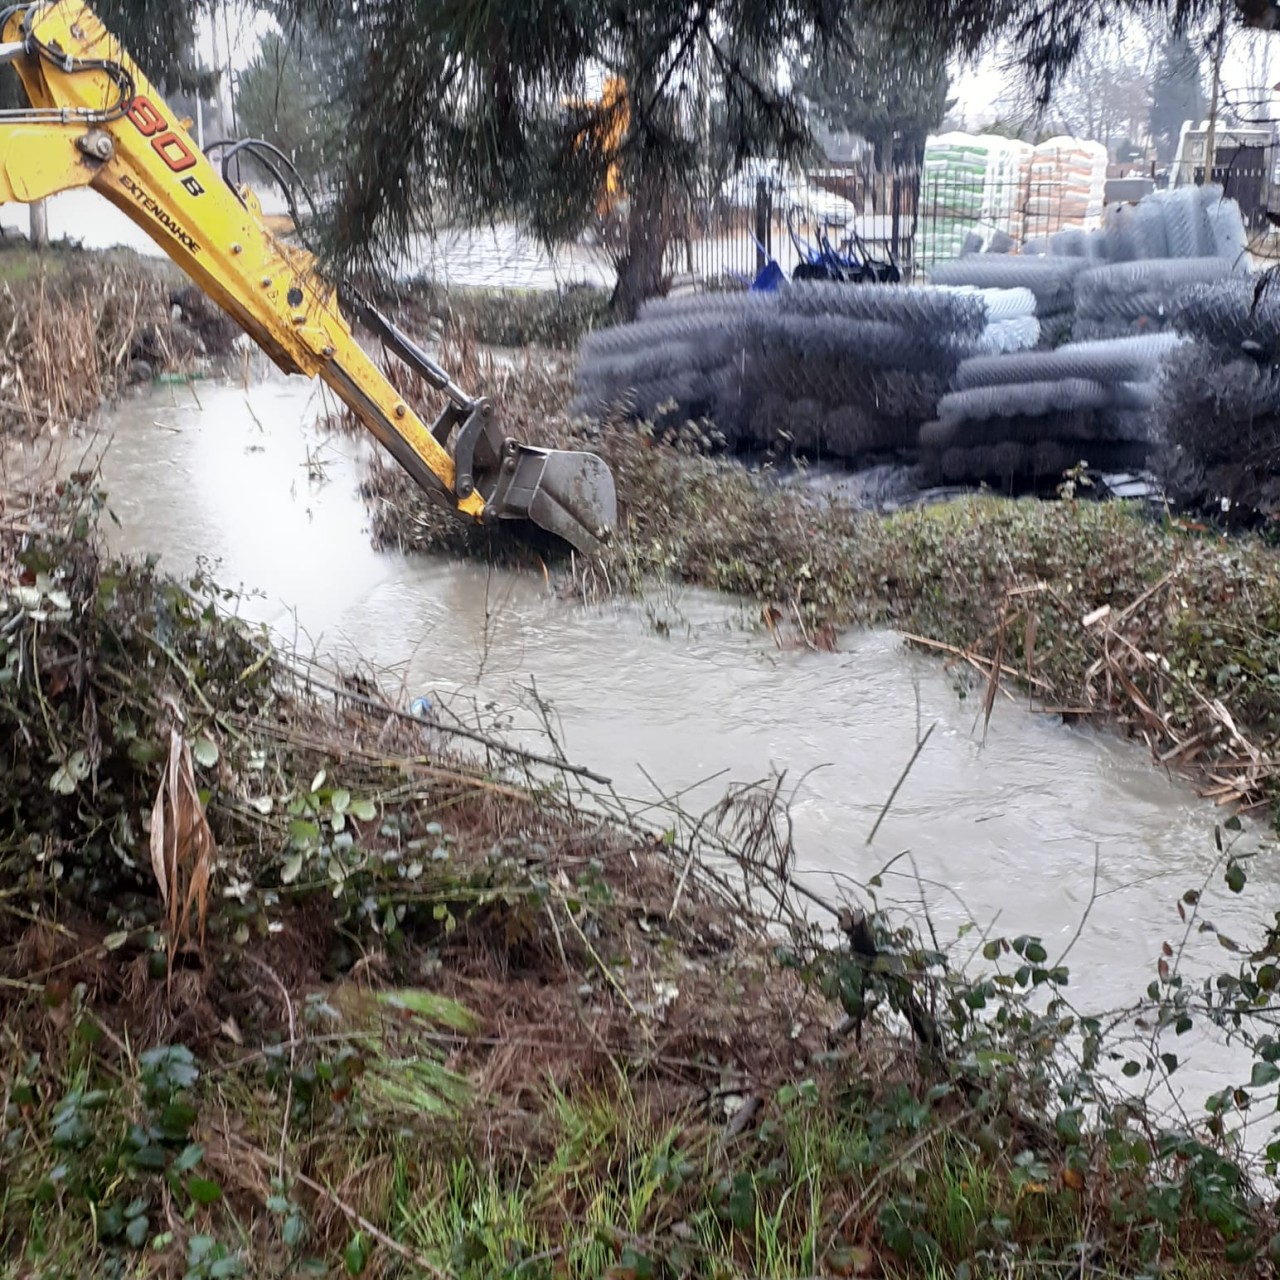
[
  {"x": 1067, "y": 186},
  {"x": 972, "y": 185}
]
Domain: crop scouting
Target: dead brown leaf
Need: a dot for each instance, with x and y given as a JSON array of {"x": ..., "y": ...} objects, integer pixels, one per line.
[{"x": 182, "y": 846}]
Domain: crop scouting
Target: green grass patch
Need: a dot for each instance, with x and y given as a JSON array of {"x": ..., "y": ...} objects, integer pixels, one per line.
[{"x": 147, "y": 1165}]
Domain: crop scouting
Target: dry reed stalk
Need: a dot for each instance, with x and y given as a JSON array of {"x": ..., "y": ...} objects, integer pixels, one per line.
[{"x": 71, "y": 337}]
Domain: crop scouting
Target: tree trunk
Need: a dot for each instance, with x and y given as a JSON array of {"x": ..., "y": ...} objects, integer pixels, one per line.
[
  {"x": 640, "y": 269},
  {"x": 39, "y": 216}
]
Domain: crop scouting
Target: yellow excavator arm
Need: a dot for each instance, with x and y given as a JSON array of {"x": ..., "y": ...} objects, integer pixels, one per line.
[{"x": 95, "y": 121}]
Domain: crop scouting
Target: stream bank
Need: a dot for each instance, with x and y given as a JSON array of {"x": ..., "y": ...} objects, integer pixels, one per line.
[
  {"x": 293, "y": 981},
  {"x": 1100, "y": 612}
]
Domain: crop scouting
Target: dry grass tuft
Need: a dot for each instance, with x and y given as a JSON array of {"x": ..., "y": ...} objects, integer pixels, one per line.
[{"x": 78, "y": 327}]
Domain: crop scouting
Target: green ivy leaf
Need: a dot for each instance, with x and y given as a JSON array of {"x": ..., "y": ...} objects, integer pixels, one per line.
[
  {"x": 365, "y": 810},
  {"x": 294, "y": 1231},
  {"x": 137, "y": 1231},
  {"x": 303, "y": 833},
  {"x": 143, "y": 752},
  {"x": 149, "y": 1157},
  {"x": 742, "y": 1202},
  {"x": 205, "y": 752},
  {"x": 203, "y": 1190},
  {"x": 1068, "y": 1125},
  {"x": 340, "y": 801},
  {"x": 292, "y": 868},
  {"x": 1235, "y": 877},
  {"x": 177, "y": 1119},
  {"x": 1264, "y": 1073}
]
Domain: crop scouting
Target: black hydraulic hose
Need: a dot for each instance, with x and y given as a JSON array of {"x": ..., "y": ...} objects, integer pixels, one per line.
[
  {"x": 114, "y": 71},
  {"x": 259, "y": 149}
]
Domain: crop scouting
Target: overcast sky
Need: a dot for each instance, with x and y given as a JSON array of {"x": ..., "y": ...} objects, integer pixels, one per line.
[{"x": 1250, "y": 66}]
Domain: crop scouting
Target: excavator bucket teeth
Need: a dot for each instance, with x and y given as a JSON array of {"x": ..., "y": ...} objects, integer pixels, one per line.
[{"x": 569, "y": 494}]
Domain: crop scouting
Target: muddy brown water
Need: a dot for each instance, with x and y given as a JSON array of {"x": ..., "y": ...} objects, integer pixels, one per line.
[{"x": 662, "y": 693}]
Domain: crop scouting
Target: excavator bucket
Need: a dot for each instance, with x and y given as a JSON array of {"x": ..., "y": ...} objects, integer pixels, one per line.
[{"x": 568, "y": 493}]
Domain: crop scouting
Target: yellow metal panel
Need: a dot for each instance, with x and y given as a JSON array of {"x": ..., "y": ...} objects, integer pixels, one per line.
[{"x": 39, "y": 160}]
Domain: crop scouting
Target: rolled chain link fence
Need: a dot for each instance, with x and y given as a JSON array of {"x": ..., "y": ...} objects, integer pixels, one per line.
[{"x": 1007, "y": 364}]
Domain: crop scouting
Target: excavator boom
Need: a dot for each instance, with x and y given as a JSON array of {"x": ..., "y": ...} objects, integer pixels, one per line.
[{"x": 95, "y": 121}]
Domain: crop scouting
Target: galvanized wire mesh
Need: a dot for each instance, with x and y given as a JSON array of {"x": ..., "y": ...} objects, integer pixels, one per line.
[{"x": 841, "y": 370}]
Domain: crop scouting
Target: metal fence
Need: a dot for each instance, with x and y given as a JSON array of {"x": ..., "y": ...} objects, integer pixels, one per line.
[
  {"x": 912, "y": 217},
  {"x": 1247, "y": 175},
  {"x": 727, "y": 238}
]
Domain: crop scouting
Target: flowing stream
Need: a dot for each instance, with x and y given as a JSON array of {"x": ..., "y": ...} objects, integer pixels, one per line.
[{"x": 1039, "y": 828}]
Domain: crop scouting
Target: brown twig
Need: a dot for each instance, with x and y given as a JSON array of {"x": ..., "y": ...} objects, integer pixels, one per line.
[
  {"x": 897, "y": 786},
  {"x": 457, "y": 731},
  {"x": 976, "y": 659}
]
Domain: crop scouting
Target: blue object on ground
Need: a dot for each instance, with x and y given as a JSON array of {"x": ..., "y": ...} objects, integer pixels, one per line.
[{"x": 769, "y": 279}]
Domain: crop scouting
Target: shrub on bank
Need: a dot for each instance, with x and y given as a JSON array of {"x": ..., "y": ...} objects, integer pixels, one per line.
[{"x": 507, "y": 317}]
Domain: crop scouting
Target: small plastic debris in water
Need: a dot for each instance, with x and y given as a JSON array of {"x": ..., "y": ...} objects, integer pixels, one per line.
[{"x": 422, "y": 708}]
